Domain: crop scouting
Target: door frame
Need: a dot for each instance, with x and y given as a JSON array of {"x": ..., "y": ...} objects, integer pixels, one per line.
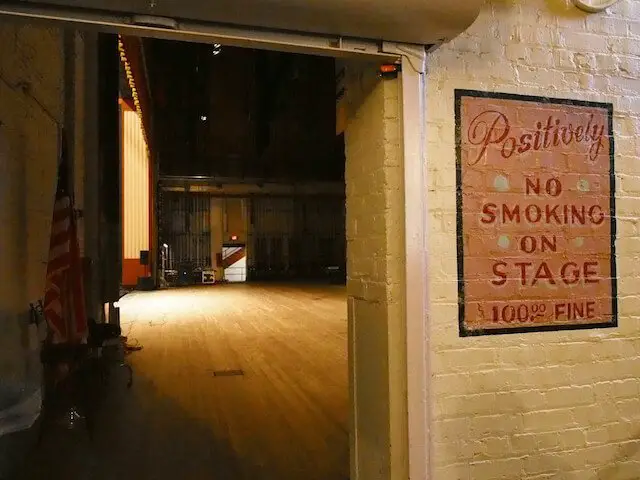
[
  {"x": 413, "y": 104},
  {"x": 412, "y": 97}
]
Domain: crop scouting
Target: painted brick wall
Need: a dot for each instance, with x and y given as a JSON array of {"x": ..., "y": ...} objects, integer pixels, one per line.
[
  {"x": 537, "y": 405},
  {"x": 30, "y": 107},
  {"x": 375, "y": 244}
]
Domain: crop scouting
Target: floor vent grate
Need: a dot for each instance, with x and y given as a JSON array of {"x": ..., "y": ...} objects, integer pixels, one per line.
[{"x": 227, "y": 373}]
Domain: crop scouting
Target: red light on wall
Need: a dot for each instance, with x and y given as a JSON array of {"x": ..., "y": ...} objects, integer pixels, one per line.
[
  {"x": 389, "y": 70},
  {"x": 234, "y": 237}
]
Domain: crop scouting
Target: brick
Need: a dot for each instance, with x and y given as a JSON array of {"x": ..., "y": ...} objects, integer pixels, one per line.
[
  {"x": 496, "y": 425},
  {"x": 627, "y": 388},
  {"x": 628, "y": 408},
  {"x": 515, "y": 357},
  {"x": 458, "y": 471},
  {"x": 453, "y": 384},
  {"x": 596, "y": 414},
  {"x": 517, "y": 52},
  {"x": 498, "y": 380},
  {"x": 452, "y": 429},
  {"x": 577, "y": 40},
  {"x": 572, "y": 438},
  {"x": 527, "y": 442},
  {"x": 621, "y": 470},
  {"x": 537, "y": 465},
  {"x": 569, "y": 396},
  {"x": 555, "y": 375},
  {"x": 509, "y": 468},
  {"x": 548, "y": 420}
]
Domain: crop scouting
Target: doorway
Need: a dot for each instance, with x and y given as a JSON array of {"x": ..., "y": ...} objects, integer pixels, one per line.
[
  {"x": 386, "y": 178},
  {"x": 251, "y": 188}
]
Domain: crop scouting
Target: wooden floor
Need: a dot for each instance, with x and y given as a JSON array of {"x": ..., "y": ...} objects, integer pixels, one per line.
[{"x": 285, "y": 418}]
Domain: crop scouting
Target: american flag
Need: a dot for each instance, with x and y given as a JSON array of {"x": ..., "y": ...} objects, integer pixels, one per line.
[{"x": 64, "y": 307}]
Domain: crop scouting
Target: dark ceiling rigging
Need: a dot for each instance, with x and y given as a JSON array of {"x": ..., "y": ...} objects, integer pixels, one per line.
[{"x": 231, "y": 112}]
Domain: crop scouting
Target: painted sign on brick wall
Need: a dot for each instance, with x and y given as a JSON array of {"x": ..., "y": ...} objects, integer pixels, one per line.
[{"x": 536, "y": 213}]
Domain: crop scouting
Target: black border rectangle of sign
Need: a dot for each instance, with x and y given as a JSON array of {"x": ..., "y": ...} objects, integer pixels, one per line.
[{"x": 459, "y": 93}]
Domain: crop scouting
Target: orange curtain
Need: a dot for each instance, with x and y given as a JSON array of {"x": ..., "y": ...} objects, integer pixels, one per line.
[{"x": 135, "y": 56}]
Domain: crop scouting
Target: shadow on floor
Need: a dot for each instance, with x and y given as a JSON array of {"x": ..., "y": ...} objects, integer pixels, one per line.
[{"x": 139, "y": 435}]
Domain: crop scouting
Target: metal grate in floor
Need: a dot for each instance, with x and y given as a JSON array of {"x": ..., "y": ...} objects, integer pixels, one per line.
[{"x": 227, "y": 373}]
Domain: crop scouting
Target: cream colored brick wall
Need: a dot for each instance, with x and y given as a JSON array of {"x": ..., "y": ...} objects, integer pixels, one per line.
[
  {"x": 375, "y": 246},
  {"x": 538, "y": 405},
  {"x": 30, "y": 105}
]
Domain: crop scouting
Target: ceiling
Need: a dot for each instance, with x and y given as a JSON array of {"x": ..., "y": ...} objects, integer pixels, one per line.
[{"x": 407, "y": 21}]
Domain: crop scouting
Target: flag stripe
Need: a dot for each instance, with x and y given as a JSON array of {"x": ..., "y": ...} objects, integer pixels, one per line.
[
  {"x": 64, "y": 296},
  {"x": 59, "y": 239}
]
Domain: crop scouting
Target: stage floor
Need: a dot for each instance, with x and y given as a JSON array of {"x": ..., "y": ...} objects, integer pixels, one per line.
[{"x": 235, "y": 382}]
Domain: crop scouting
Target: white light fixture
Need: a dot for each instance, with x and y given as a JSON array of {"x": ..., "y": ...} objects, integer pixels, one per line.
[
  {"x": 165, "y": 245},
  {"x": 594, "y": 6},
  {"x": 203, "y": 118}
]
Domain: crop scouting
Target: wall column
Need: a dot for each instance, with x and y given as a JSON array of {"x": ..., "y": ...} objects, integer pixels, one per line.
[
  {"x": 217, "y": 234},
  {"x": 110, "y": 169},
  {"x": 91, "y": 218},
  {"x": 375, "y": 271},
  {"x": 31, "y": 112}
]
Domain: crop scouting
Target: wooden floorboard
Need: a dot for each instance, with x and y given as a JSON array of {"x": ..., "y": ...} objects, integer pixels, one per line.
[{"x": 285, "y": 418}]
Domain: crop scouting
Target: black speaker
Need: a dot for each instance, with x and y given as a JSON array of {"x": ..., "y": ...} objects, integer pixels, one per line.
[
  {"x": 145, "y": 283},
  {"x": 144, "y": 257}
]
